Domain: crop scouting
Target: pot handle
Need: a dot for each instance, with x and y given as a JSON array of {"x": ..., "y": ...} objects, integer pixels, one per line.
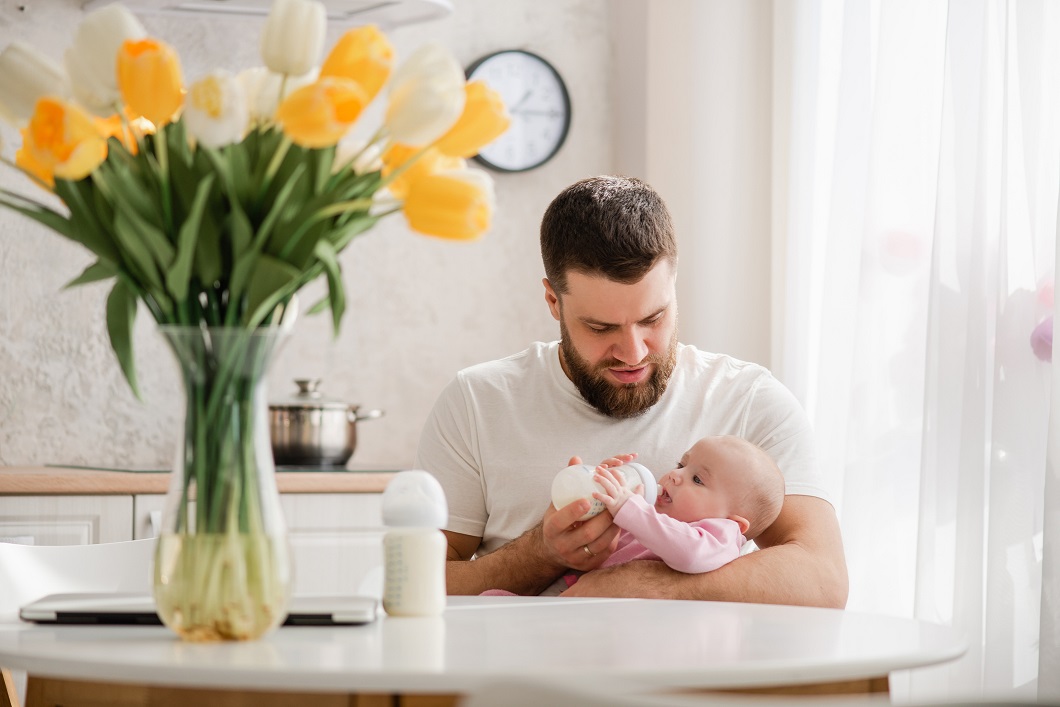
[{"x": 355, "y": 416}]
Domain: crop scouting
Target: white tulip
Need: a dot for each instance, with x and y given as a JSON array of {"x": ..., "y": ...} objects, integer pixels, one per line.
[
  {"x": 261, "y": 88},
  {"x": 91, "y": 61},
  {"x": 426, "y": 96},
  {"x": 215, "y": 110},
  {"x": 25, "y": 77},
  {"x": 293, "y": 40}
]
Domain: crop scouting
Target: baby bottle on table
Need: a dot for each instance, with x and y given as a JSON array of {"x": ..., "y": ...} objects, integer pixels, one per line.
[
  {"x": 414, "y": 549},
  {"x": 576, "y": 481}
]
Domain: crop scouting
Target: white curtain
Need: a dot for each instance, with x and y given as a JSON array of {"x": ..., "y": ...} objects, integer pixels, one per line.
[{"x": 919, "y": 174}]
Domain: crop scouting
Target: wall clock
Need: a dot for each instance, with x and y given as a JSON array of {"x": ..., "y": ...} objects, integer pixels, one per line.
[{"x": 539, "y": 104}]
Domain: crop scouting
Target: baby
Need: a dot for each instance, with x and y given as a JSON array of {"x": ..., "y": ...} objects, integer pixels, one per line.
[{"x": 724, "y": 492}]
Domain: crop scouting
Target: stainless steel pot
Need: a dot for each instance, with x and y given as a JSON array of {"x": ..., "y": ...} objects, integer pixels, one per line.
[{"x": 309, "y": 429}]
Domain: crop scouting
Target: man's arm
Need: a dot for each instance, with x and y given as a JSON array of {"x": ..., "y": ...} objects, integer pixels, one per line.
[
  {"x": 801, "y": 562},
  {"x": 531, "y": 562}
]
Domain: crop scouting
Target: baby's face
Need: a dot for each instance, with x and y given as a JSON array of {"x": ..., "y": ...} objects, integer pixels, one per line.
[{"x": 703, "y": 484}]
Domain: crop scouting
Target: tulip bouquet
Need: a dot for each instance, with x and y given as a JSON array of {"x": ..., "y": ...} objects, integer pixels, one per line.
[{"x": 213, "y": 204}]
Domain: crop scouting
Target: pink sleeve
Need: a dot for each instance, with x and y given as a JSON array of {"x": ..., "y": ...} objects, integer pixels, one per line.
[{"x": 686, "y": 547}]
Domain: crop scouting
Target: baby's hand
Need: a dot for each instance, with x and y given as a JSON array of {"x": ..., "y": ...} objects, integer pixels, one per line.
[
  {"x": 616, "y": 492},
  {"x": 618, "y": 460}
]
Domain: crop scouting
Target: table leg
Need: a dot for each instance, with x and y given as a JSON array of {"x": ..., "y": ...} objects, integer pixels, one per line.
[{"x": 8, "y": 698}]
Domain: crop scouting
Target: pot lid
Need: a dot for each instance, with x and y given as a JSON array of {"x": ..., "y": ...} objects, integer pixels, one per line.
[{"x": 309, "y": 396}]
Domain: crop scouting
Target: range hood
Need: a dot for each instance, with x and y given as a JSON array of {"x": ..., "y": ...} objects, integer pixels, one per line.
[{"x": 386, "y": 13}]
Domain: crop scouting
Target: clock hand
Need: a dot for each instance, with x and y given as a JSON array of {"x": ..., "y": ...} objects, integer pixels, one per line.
[
  {"x": 520, "y": 102},
  {"x": 537, "y": 112}
]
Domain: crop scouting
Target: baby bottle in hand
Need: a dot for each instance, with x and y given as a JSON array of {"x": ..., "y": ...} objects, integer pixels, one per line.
[{"x": 576, "y": 482}]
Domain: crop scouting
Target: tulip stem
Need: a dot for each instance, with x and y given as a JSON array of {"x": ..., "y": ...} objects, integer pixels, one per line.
[
  {"x": 277, "y": 160},
  {"x": 162, "y": 150},
  {"x": 283, "y": 90},
  {"x": 393, "y": 210},
  {"x": 126, "y": 128},
  {"x": 342, "y": 207},
  {"x": 375, "y": 138}
]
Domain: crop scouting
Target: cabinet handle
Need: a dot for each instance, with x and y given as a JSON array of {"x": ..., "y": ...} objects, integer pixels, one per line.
[{"x": 154, "y": 520}]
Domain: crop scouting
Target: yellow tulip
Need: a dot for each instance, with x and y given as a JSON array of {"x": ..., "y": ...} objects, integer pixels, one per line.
[
  {"x": 25, "y": 160},
  {"x": 430, "y": 162},
  {"x": 453, "y": 205},
  {"x": 149, "y": 79},
  {"x": 363, "y": 54},
  {"x": 61, "y": 140},
  {"x": 484, "y": 119},
  {"x": 319, "y": 114}
]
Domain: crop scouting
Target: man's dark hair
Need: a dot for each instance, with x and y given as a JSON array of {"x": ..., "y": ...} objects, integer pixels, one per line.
[{"x": 618, "y": 227}]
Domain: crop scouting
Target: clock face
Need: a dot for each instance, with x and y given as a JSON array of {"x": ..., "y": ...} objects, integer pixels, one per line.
[{"x": 539, "y": 106}]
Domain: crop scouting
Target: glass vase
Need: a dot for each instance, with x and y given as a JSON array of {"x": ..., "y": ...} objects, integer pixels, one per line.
[{"x": 222, "y": 565}]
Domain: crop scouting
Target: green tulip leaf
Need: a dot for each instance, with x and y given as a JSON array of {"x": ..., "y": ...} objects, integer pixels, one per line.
[
  {"x": 121, "y": 315},
  {"x": 180, "y": 273},
  {"x": 125, "y": 187},
  {"x": 341, "y": 237},
  {"x": 42, "y": 214},
  {"x": 270, "y": 281},
  {"x": 336, "y": 289},
  {"x": 145, "y": 243},
  {"x": 208, "y": 262},
  {"x": 320, "y": 306},
  {"x": 84, "y": 218},
  {"x": 220, "y": 163},
  {"x": 135, "y": 253},
  {"x": 99, "y": 270},
  {"x": 322, "y": 163},
  {"x": 239, "y": 228},
  {"x": 278, "y": 206}
]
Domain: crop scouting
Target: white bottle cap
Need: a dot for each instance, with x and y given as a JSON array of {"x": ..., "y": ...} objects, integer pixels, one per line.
[
  {"x": 415, "y": 499},
  {"x": 651, "y": 486}
]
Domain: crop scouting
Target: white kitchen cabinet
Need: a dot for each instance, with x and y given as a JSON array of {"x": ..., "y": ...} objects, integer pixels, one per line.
[
  {"x": 65, "y": 520},
  {"x": 336, "y": 539}
]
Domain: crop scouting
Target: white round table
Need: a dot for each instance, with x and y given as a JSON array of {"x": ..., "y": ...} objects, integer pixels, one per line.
[{"x": 663, "y": 644}]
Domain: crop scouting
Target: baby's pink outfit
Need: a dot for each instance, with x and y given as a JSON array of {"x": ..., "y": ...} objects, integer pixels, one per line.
[{"x": 701, "y": 546}]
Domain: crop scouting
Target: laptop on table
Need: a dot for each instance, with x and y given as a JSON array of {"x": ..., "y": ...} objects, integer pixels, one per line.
[{"x": 139, "y": 609}]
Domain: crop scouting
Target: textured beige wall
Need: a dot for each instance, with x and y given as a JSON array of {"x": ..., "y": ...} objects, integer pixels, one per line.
[{"x": 419, "y": 309}]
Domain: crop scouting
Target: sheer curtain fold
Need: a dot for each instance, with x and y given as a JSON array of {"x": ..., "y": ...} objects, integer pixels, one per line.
[{"x": 921, "y": 233}]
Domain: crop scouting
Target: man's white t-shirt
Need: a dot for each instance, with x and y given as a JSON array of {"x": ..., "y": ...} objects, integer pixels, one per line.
[{"x": 500, "y": 432}]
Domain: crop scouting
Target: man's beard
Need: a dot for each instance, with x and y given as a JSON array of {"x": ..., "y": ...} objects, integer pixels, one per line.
[{"x": 619, "y": 401}]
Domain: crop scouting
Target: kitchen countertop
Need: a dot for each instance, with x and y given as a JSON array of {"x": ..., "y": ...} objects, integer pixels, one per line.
[{"x": 66, "y": 481}]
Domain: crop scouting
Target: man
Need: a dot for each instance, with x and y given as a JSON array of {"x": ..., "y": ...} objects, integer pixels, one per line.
[{"x": 617, "y": 381}]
